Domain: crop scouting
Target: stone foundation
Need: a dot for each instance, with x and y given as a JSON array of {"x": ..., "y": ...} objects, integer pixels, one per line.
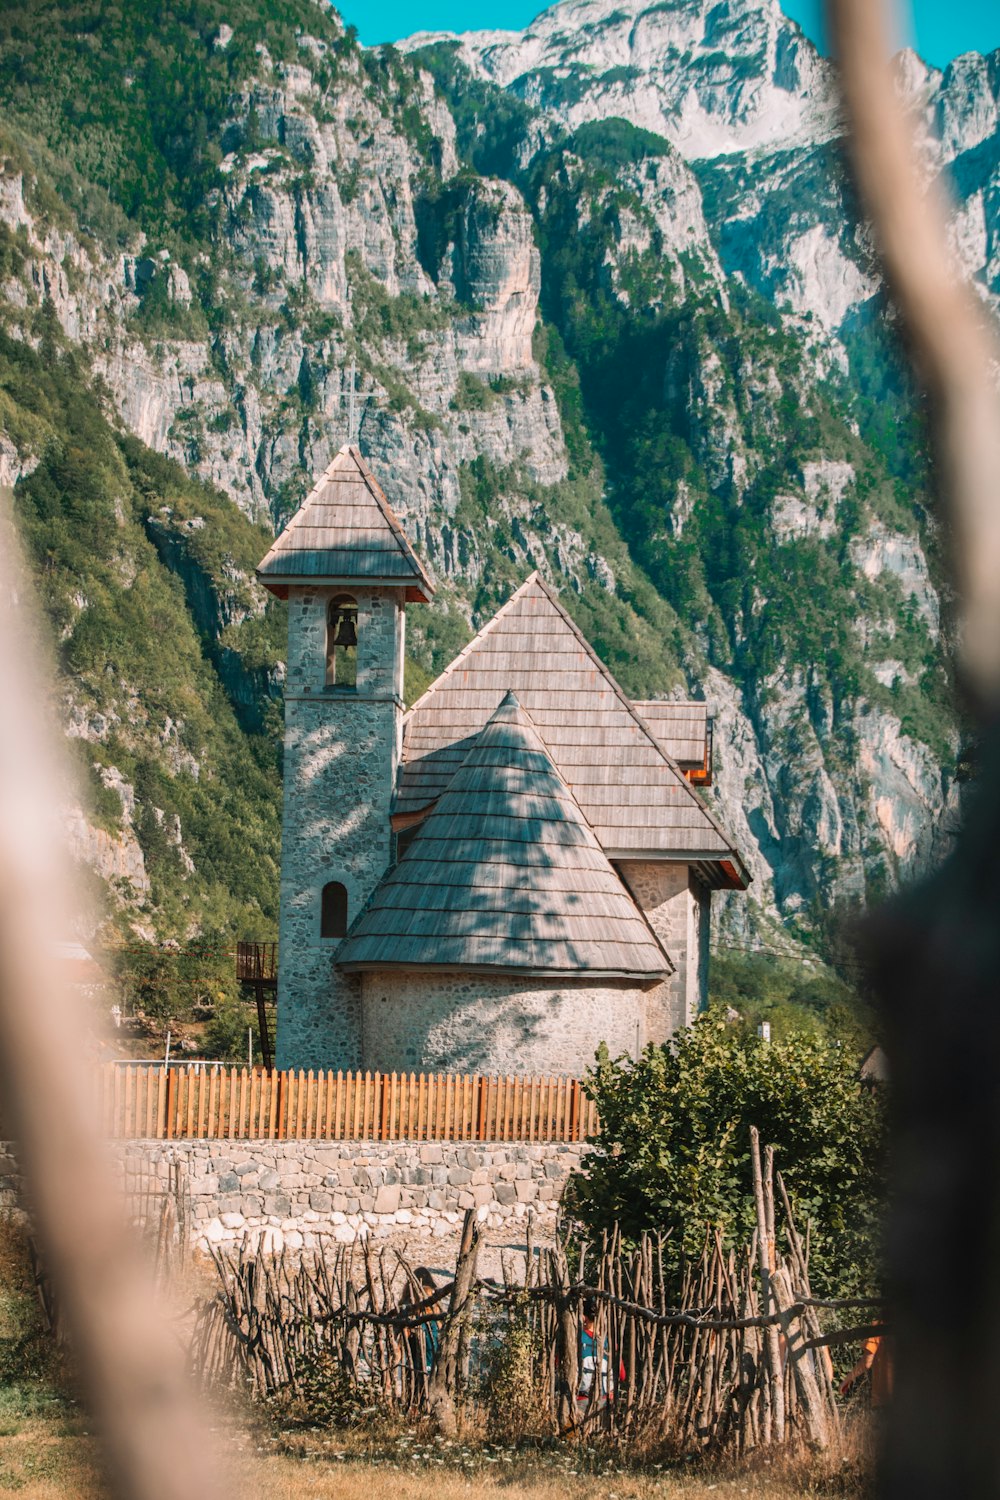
[{"x": 296, "y": 1194}]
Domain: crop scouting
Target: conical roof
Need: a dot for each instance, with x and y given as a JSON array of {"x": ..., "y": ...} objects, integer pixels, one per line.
[
  {"x": 506, "y": 873},
  {"x": 633, "y": 794},
  {"x": 345, "y": 532}
]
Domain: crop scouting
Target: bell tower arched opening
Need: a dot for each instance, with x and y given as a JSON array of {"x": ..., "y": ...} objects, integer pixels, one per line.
[{"x": 342, "y": 643}]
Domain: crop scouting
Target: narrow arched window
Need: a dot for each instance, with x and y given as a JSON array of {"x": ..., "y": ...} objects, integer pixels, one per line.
[
  {"x": 333, "y": 914},
  {"x": 342, "y": 642}
]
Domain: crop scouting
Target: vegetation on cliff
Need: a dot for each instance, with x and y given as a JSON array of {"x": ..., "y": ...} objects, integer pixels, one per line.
[{"x": 150, "y": 698}]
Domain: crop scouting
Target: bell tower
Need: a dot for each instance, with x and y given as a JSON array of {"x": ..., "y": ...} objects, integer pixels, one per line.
[{"x": 348, "y": 572}]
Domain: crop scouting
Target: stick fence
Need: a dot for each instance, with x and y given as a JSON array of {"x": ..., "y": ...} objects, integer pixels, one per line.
[
  {"x": 211, "y": 1103},
  {"x": 696, "y": 1376}
]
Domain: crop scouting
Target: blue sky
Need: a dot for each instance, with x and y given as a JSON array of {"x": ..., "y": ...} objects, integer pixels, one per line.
[{"x": 939, "y": 29}]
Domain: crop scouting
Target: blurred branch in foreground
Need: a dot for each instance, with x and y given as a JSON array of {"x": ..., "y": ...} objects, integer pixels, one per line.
[
  {"x": 953, "y": 348},
  {"x": 935, "y": 953},
  {"x": 130, "y": 1362}
]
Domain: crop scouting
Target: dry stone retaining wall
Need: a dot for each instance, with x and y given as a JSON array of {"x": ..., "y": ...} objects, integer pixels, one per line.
[{"x": 294, "y": 1194}]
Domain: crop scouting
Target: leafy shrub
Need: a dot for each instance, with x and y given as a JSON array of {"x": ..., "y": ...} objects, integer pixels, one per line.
[
  {"x": 322, "y": 1395},
  {"x": 610, "y": 144},
  {"x": 673, "y": 1154},
  {"x": 472, "y": 393},
  {"x": 169, "y": 984},
  {"x": 33, "y": 1372},
  {"x": 226, "y": 1033},
  {"x": 514, "y": 1409}
]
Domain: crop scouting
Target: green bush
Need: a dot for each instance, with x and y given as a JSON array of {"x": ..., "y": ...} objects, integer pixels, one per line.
[
  {"x": 673, "y": 1153},
  {"x": 226, "y": 1032},
  {"x": 514, "y": 1404},
  {"x": 170, "y": 984},
  {"x": 472, "y": 393},
  {"x": 322, "y": 1395}
]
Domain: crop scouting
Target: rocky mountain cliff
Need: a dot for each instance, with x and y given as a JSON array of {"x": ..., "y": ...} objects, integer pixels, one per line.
[{"x": 611, "y": 315}]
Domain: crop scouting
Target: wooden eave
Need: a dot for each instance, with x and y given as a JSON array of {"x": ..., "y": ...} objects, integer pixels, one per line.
[
  {"x": 641, "y": 978},
  {"x": 718, "y": 874},
  {"x": 280, "y": 586},
  {"x": 400, "y": 822}
]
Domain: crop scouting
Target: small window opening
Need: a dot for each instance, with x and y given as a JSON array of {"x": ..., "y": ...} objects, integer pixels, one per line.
[
  {"x": 342, "y": 642},
  {"x": 404, "y": 839},
  {"x": 333, "y": 916}
]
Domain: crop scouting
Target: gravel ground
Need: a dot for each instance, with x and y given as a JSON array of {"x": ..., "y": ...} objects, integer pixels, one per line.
[{"x": 497, "y": 1247}]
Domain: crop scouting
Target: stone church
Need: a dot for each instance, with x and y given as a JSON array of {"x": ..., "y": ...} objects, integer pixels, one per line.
[{"x": 513, "y": 871}]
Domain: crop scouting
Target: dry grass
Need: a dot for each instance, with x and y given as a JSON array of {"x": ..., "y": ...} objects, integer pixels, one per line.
[
  {"x": 43, "y": 1461},
  {"x": 50, "y": 1454},
  {"x": 286, "y": 1480},
  {"x": 49, "y": 1460}
]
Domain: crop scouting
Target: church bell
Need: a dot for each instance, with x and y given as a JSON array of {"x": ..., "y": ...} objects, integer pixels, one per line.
[{"x": 347, "y": 632}]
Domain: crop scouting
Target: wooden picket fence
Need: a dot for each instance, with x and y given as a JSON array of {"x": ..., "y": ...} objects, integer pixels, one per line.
[{"x": 212, "y": 1103}]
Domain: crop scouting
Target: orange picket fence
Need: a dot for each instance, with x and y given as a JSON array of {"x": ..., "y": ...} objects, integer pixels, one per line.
[{"x": 206, "y": 1102}]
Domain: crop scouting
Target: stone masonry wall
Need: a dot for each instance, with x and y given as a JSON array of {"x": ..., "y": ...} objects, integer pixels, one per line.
[
  {"x": 341, "y": 754},
  {"x": 476, "y": 1023},
  {"x": 294, "y": 1194},
  {"x": 676, "y": 907}
]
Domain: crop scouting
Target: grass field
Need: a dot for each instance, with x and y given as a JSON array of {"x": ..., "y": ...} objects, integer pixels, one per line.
[{"x": 50, "y": 1456}]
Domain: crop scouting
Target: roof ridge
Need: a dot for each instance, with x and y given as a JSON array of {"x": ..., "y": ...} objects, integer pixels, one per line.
[{"x": 480, "y": 635}]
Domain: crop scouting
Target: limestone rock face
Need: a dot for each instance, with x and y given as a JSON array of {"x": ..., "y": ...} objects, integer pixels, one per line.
[
  {"x": 497, "y": 272},
  {"x": 328, "y": 215},
  {"x": 747, "y": 101},
  {"x": 115, "y": 858}
]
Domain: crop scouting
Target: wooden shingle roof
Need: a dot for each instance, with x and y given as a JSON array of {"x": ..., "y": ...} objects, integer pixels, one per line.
[
  {"x": 505, "y": 873},
  {"x": 681, "y": 728},
  {"x": 632, "y": 792},
  {"x": 345, "y": 532}
]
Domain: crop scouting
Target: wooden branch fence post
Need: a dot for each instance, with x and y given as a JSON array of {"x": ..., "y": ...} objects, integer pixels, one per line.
[
  {"x": 567, "y": 1341},
  {"x": 444, "y": 1381},
  {"x": 774, "y": 1412},
  {"x": 822, "y": 1363}
]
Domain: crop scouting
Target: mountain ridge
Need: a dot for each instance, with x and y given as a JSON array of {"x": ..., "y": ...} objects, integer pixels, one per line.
[{"x": 692, "y": 72}]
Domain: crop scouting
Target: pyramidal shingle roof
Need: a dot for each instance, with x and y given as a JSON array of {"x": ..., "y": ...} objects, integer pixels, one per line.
[
  {"x": 506, "y": 873},
  {"x": 345, "y": 531},
  {"x": 632, "y": 793}
]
